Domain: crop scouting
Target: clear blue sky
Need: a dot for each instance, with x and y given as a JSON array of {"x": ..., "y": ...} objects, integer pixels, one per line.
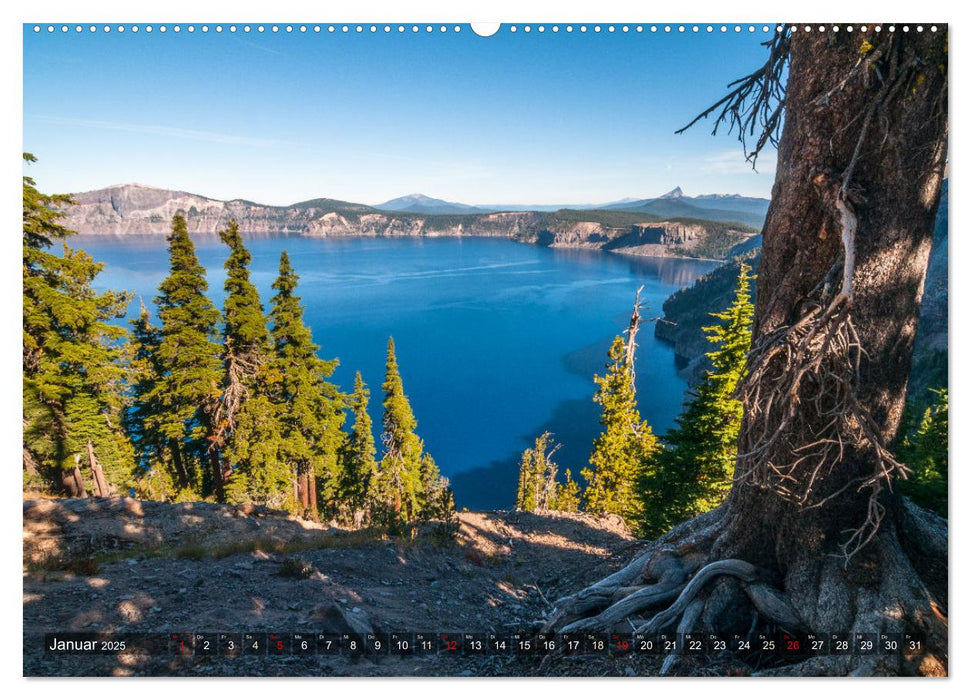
[{"x": 278, "y": 118}]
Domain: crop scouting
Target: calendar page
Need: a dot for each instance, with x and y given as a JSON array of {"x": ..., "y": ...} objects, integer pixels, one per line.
[{"x": 525, "y": 349}]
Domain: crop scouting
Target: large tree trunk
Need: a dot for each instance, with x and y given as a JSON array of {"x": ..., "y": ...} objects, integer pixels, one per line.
[
  {"x": 812, "y": 536},
  {"x": 312, "y": 490},
  {"x": 177, "y": 460}
]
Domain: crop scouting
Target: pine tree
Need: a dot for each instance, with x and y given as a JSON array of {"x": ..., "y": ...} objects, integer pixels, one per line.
[
  {"x": 246, "y": 420},
  {"x": 692, "y": 474},
  {"x": 538, "y": 487},
  {"x": 398, "y": 482},
  {"x": 359, "y": 463},
  {"x": 925, "y": 452},
  {"x": 626, "y": 443},
  {"x": 73, "y": 385},
  {"x": 310, "y": 409},
  {"x": 187, "y": 392}
]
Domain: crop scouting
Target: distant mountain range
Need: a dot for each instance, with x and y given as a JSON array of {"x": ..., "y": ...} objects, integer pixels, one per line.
[
  {"x": 689, "y": 231},
  {"x": 711, "y": 207},
  {"x": 750, "y": 211},
  {"x": 422, "y": 204}
]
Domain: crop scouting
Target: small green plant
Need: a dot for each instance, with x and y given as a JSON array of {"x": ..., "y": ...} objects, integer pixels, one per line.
[{"x": 291, "y": 567}]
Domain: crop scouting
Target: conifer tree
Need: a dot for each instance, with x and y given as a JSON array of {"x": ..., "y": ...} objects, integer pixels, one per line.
[
  {"x": 925, "y": 453},
  {"x": 246, "y": 427},
  {"x": 398, "y": 482},
  {"x": 567, "y": 495},
  {"x": 186, "y": 394},
  {"x": 359, "y": 463},
  {"x": 145, "y": 372},
  {"x": 73, "y": 385},
  {"x": 538, "y": 486},
  {"x": 693, "y": 473},
  {"x": 626, "y": 443},
  {"x": 431, "y": 486},
  {"x": 310, "y": 409}
]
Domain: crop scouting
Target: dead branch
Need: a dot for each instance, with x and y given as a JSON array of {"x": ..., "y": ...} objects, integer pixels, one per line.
[{"x": 755, "y": 105}]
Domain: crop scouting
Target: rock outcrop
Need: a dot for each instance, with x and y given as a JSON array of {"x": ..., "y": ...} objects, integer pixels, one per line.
[{"x": 137, "y": 209}]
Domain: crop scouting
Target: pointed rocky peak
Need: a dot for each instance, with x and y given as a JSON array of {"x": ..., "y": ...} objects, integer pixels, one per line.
[{"x": 676, "y": 193}]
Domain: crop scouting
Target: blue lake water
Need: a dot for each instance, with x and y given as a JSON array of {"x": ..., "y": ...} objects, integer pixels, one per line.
[{"x": 496, "y": 340}]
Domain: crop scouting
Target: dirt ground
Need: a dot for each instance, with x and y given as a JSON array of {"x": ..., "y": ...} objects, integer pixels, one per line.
[{"x": 126, "y": 566}]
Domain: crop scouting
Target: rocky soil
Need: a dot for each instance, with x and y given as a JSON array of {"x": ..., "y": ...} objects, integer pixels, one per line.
[{"x": 120, "y": 565}]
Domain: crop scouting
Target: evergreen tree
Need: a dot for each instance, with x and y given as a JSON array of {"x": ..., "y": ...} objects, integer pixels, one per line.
[
  {"x": 359, "y": 463},
  {"x": 431, "y": 487},
  {"x": 626, "y": 443},
  {"x": 73, "y": 385},
  {"x": 925, "y": 452},
  {"x": 151, "y": 450},
  {"x": 693, "y": 473},
  {"x": 310, "y": 409},
  {"x": 567, "y": 495},
  {"x": 538, "y": 487},
  {"x": 246, "y": 420},
  {"x": 186, "y": 393},
  {"x": 398, "y": 481}
]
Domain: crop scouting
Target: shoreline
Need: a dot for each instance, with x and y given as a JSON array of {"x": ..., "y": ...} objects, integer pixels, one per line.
[{"x": 249, "y": 235}]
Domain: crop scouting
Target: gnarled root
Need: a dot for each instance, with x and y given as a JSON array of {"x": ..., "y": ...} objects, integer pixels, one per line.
[
  {"x": 667, "y": 561},
  {"x": 669, "y": 587}
]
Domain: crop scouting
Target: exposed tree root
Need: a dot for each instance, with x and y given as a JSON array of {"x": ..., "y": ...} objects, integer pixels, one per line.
[
  {"x": 667, "y": 561},
  {"x": 664, "y": 589},
  {"x": 726, "y": 567}
]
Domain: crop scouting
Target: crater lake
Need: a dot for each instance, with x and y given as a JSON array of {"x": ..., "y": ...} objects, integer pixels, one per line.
[{"x": 497, "y": 341}]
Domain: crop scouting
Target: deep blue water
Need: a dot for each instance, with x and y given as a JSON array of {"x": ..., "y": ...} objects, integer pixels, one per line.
[{"x": 496, "y": 340}]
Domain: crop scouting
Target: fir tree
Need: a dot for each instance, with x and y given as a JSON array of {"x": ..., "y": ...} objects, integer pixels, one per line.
[
  {"x": 567, "y": 495},
  {"x": 692, "y": 474},
  {"x": 431, "y": 486},
  {"x": 73, "y": 386},
  {"x": 145, "y": 372},
  {"x": 626, "y": 443},
  {"x": 310, "y": 409},
  {"x": 537, "y": 476},
  {"x": 398, "y": 482},
  {"x": 359, "y": 463},
  {"x": 186, "y": 394},
  {"x": 925, "y": 452},
  {"x": 246, "y": 420}
]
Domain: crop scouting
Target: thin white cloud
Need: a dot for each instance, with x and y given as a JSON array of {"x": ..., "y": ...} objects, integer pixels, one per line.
[
  {"x": 158, "y": 130},
  {"x": 733, "y": 163}
]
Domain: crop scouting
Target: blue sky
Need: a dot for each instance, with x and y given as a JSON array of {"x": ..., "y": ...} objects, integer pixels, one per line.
[{"x": 278, "y": 118}]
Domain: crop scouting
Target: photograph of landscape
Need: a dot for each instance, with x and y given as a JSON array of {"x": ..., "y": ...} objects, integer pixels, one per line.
[{"x": 433, "y": 350}]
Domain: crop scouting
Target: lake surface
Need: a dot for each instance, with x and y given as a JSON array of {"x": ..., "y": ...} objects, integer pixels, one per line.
[{"x": 497, "y": 341}]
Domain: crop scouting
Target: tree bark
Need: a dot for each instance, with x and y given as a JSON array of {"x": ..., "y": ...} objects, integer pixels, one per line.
[
  {"x": 180, "y": 471},
  {"x": 73, "y": 480},
  {"x": 899, "y": 174},
  {"x": 303, "y": 488},
  {"x": 312, "y": 490},
  {"x": 99, "y": 477},
  {"x": 218, "y": 475},
  {"x": 845, "y": 246}
]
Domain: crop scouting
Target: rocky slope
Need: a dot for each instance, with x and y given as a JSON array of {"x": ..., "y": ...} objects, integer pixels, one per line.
[
  {"x": 121, "y": 565},
  {"x": 137, "y": 209}
]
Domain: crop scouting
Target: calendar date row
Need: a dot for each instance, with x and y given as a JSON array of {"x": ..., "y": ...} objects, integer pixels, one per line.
[{"x": 227, "y": 644}]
